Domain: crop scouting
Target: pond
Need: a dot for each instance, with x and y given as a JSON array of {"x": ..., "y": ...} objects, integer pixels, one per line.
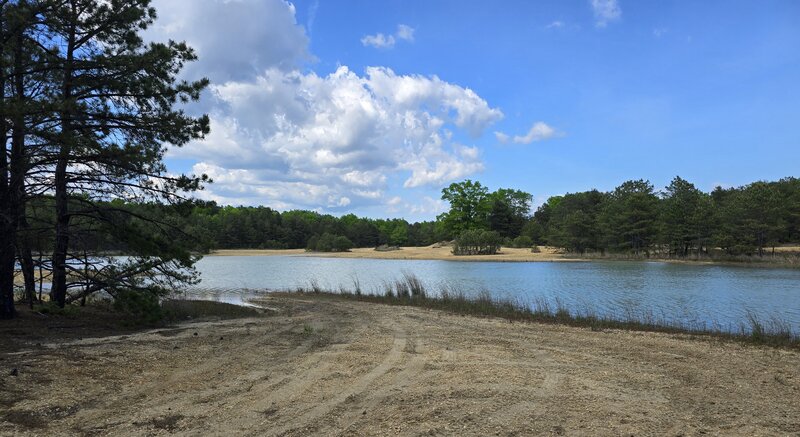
[{"x": 696, "y": 295}]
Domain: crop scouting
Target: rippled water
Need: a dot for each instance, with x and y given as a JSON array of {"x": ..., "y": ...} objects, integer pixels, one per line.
[{"x": 699, "y": 295}]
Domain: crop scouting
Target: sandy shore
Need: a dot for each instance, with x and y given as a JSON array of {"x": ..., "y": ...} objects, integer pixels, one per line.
[
  {"x": 507, "y": 254},
  {"x": 429, "y": 252},
  {"x": 324, "y": 366}
]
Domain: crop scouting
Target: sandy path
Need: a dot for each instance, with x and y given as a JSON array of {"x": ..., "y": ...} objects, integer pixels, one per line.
[{"x": 331, "y": 367}]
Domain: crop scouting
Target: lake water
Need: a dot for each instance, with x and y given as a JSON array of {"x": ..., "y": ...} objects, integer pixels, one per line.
[{"x": 699, "y": 295}]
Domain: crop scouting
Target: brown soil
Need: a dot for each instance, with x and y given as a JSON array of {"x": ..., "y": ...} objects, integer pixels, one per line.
[{"x": 324, "y": 366}]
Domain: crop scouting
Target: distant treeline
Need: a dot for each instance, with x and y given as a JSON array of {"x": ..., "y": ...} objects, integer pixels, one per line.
[
  {"x": 634, "y": 218},
  {"x": 677, "y": 221},
  {"x": 227, "y": 227}
]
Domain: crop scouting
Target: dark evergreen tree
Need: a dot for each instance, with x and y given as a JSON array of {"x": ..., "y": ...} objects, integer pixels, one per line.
[{"x": 630, "y": 217}]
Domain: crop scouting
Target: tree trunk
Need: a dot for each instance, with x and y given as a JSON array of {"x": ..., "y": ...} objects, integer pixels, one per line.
[
  {"x": 26, "y": 264},
  {"x": 58, "y": 291},
  {"x": 19, "y": 168},
  {"x": 7, "y": 309}
]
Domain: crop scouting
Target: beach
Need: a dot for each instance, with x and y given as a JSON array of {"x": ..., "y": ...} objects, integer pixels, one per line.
[
  {"x": 323, "y": 365},
  {"x": 433, "y": 252}
]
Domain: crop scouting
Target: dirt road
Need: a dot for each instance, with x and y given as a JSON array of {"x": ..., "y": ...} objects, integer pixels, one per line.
[{"x": 323, "y": 366}]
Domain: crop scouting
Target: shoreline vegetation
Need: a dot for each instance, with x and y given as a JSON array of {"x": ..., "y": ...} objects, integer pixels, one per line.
[{"x": 411, "y": 291}]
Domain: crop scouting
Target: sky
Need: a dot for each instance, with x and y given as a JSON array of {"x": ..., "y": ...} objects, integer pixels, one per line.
[{"x": 372, "y": 107}]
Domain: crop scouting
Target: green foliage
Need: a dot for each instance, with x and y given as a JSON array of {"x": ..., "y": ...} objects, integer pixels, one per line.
[
  {"x": 755, "y": 216},
  {"x": 522, "y": 242},
  {"x": 509, "y": 211},
  {"x": 140, "y": 307},
  {"x": 472, "y": 207},
  {"x": 264, "y": 228},
  {"x": 629, "y": 218},
  {"x": 477, "y": 242},
  {"x": 680, "y": 221},
  {"x": 685, "y": 217},
  {"x": 574, "y": 221},
  {"x": 469, "y": 208},
  {"x": 329, "y": 243}
]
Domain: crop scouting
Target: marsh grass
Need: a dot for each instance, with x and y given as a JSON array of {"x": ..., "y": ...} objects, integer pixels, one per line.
[
  {"x": 780, "y": 259},
  {"x": 409, "y": 290},
  {"x": 183, "y": 309}
]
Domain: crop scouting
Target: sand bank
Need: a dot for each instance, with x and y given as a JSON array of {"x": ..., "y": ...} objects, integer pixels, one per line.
[
  {"x": 428, "y": 252},
  {"x": 326, "y": 366}
]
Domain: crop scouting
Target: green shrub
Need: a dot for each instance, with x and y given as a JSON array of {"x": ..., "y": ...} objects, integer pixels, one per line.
[
  {"x": 326, "y": 243},
  {"x": 477, "y": 242},
  {"x": 141, "y": 306},
  {"x": 342, "y": 244},
  {"x": 312, "y": 242},
  {"x": 523, "y": 241},
  {"x": 329, "y": 243}
]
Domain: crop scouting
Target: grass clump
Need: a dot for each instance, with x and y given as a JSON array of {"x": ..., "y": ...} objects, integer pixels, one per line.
[
  {"x": 183, "y": 309},
  {"x": 410, "y": 291}
]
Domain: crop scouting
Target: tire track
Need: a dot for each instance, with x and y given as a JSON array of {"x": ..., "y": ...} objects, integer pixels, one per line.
[{"x": 391, "y": 358}]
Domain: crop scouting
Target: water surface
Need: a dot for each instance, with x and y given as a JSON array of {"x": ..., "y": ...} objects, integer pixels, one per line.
[{"x": 700, "y": 295}]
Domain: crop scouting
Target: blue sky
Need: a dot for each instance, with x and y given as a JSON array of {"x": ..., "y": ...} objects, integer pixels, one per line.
[{"x": 372, "y": 107}]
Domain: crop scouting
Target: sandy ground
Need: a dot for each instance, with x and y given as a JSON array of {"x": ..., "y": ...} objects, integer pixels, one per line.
[
  {"x": 323, "y": 366},
  {"x": 428, "y": 252}
]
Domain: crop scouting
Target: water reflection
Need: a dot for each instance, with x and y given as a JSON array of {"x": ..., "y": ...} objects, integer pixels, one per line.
[{"x": 697, "y": 294}]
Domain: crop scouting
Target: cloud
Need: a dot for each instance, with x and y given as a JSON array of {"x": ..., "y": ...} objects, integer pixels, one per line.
[
  {"x": 381, "y": 41},
  {"x": 405, "y": 32},
  {"x": 286, "y": 137},
  {"x": 307, "y": 140},
  {"x": 555, "y": 25},
  {"x": 605, "y": 12},
  {"x": 427, "y": 206},
  {"x": 660, "y": 31},
  {"x": 234, "y": 40},
  {"x": 540, "y": 131},
  {"x": 312, "y": 16}
]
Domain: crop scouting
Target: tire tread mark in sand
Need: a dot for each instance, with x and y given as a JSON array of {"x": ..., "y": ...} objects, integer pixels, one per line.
[
  {"x": 412, "y": 368},
  {"x": 547, "y": 389},
  {"x": 394, "y": 355},
  {"x": 133, "y": 394}
]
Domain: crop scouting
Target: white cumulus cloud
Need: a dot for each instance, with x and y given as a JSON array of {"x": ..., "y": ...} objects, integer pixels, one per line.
[
  {"x": 605, "y": 12},
  {"x": 286, "y": 137},
  {"x": 382, "y": 41},
  {"x": 325, "y": 138},
  {"x": 540, "y": 131}
]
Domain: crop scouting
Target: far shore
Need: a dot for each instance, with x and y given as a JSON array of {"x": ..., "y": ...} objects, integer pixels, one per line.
[
  {"x": 434, "y": 252},
  {"x": 506, "y": 254}
]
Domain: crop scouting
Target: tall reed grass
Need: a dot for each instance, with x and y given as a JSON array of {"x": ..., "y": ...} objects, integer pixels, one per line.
[{"x": 409, "y": 290}]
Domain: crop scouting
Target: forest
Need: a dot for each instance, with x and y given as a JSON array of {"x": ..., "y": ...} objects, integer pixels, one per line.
[{"x": 679, "y": 220}]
